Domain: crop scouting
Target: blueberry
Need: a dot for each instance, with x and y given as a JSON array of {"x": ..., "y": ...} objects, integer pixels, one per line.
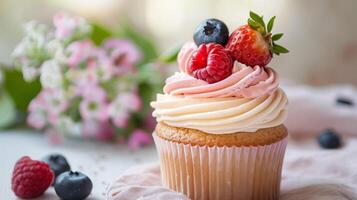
[
  {"x": 211, "y": 31},
  {"x": 58, "y": 163},
  {"x": 73, "y": 186},
  {"x": 344, "y": 101},
  {"x": 328, "y": 139}
]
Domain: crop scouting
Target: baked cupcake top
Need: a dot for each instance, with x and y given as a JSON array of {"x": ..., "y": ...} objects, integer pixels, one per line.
[{"x": 224, "y": 84}]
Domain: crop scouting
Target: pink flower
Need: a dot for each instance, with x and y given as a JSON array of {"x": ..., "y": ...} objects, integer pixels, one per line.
[
  {"x": 67, "y": 26},
  {"x": 81, "y": 52},
  {"x": 90, "y": 90},
  {"x": 54, "y": 103},
  {"x": 104, "y": 70},
  {"x": 93, "y": 105},
  {"x": 120, "y": 119},
  {"x": 102, "y": 131},
  {"x": 93, "y": 109},
  {"x": 131, "y": 101},
  {"x": 138, "y": 139},
  {"x": 64, "y": 25},
  {"x": 46, "y": 108},
  {"x": 120, "y": 109},
  {"x": 37, "y": 119},
  {"x": 82, "y": 78},
  {"x": 37, "y": 103},
  {"x": 123, "y": 54}
]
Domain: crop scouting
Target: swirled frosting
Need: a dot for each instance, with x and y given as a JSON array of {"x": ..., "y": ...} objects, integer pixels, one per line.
[
  {"x": 184, "y": 55},
  {"x": 221, "y": 115},
  {"x": 248, "y": 100},
  {"x": 244, "y": 82}
]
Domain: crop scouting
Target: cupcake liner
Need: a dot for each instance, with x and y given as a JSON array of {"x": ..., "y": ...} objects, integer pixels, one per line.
[{"x": 220, "y": 173}]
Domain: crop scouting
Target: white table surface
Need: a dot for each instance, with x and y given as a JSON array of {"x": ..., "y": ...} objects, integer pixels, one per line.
[{"x": 101, "y": 162}]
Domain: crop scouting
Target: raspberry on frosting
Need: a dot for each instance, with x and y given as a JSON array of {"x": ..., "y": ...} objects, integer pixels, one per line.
[{"x": 211, "y": 63}]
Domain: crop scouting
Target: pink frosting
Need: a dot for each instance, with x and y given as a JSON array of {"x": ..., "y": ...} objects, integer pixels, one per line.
[
  {"x": 185, "y": 54},
  {"x": 244, "y": 82}
]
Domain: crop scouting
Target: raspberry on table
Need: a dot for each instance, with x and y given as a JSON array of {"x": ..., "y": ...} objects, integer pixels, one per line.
[{"x": 31, "y": 178}]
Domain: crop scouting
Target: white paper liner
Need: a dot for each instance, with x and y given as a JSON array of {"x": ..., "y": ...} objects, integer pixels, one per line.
[{"x": 220, "y": 173}]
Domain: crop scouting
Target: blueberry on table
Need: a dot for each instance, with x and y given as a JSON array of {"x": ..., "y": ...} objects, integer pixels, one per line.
[
  {"x": 73, "y": 186},
  {"x": 344, "y": 101},
  {"x": 211, "y": 31},
  {"x": 329, "y": 139},
  {"x": 58, "y": 163}
]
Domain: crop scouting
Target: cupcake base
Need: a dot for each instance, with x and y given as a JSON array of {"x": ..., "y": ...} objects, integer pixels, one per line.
[{"x": 222, "y": 172}]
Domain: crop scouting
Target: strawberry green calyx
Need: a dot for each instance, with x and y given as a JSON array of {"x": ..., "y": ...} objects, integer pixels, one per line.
[{"x": 257, "y": 23}]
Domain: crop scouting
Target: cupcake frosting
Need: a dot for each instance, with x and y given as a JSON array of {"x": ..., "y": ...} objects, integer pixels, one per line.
[
  {"x": 248, "y": 100},
  {"x": 221, "y": 115},
  {"x": 245, "y": 82}
]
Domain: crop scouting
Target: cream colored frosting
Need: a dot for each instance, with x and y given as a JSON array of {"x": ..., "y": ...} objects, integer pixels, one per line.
[{"x": 221, "y": 115}]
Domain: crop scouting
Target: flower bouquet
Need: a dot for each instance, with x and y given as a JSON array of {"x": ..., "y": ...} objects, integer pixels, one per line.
[{"x": 92, "y": 86}]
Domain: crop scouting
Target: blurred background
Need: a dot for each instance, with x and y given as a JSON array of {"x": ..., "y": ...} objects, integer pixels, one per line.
[{"x": 320, "y": 34}]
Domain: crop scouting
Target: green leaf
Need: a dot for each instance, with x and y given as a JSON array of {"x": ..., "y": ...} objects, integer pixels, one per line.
[
  {"x": 20, "y": 91},
  {"x": 257, "y": 18},
  {"x": 277, "y": 36},
  {"x": 253, "y": 24},
  {"x": 271, "y": 24},
  {"x": 73, "y": 110},
  {"x": 170, "y": 55},
  {"x": 147, "y": 72},
  {"x": 150, "y": 82},
  {"x": 110, "y": 87},
  {"x": 99, "y": 33},
  {"x": 279, "y": 49},
  {"x": 7, "y": 111}
]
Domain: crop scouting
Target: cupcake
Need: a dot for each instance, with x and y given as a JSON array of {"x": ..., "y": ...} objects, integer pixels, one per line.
[{"x": 220, "y": 132}]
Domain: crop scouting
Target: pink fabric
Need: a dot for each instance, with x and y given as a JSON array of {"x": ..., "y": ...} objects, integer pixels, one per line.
[
  {"x": 312, "y": 110},
  {"x": 309, "y": 172},
  {"x": 141, "y": 182}
]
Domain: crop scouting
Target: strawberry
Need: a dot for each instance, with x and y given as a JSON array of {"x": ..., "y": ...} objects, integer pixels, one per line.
[
  {"x": 211, "y": 63},
  {"x": 31, "y": 178},
  {"x": 253, "y": 44}
]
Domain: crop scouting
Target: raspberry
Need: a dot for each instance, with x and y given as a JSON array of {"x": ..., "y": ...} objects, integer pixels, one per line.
[
  {"x": 31, "y": 178},
  {"x": 211, "y": 63}
]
